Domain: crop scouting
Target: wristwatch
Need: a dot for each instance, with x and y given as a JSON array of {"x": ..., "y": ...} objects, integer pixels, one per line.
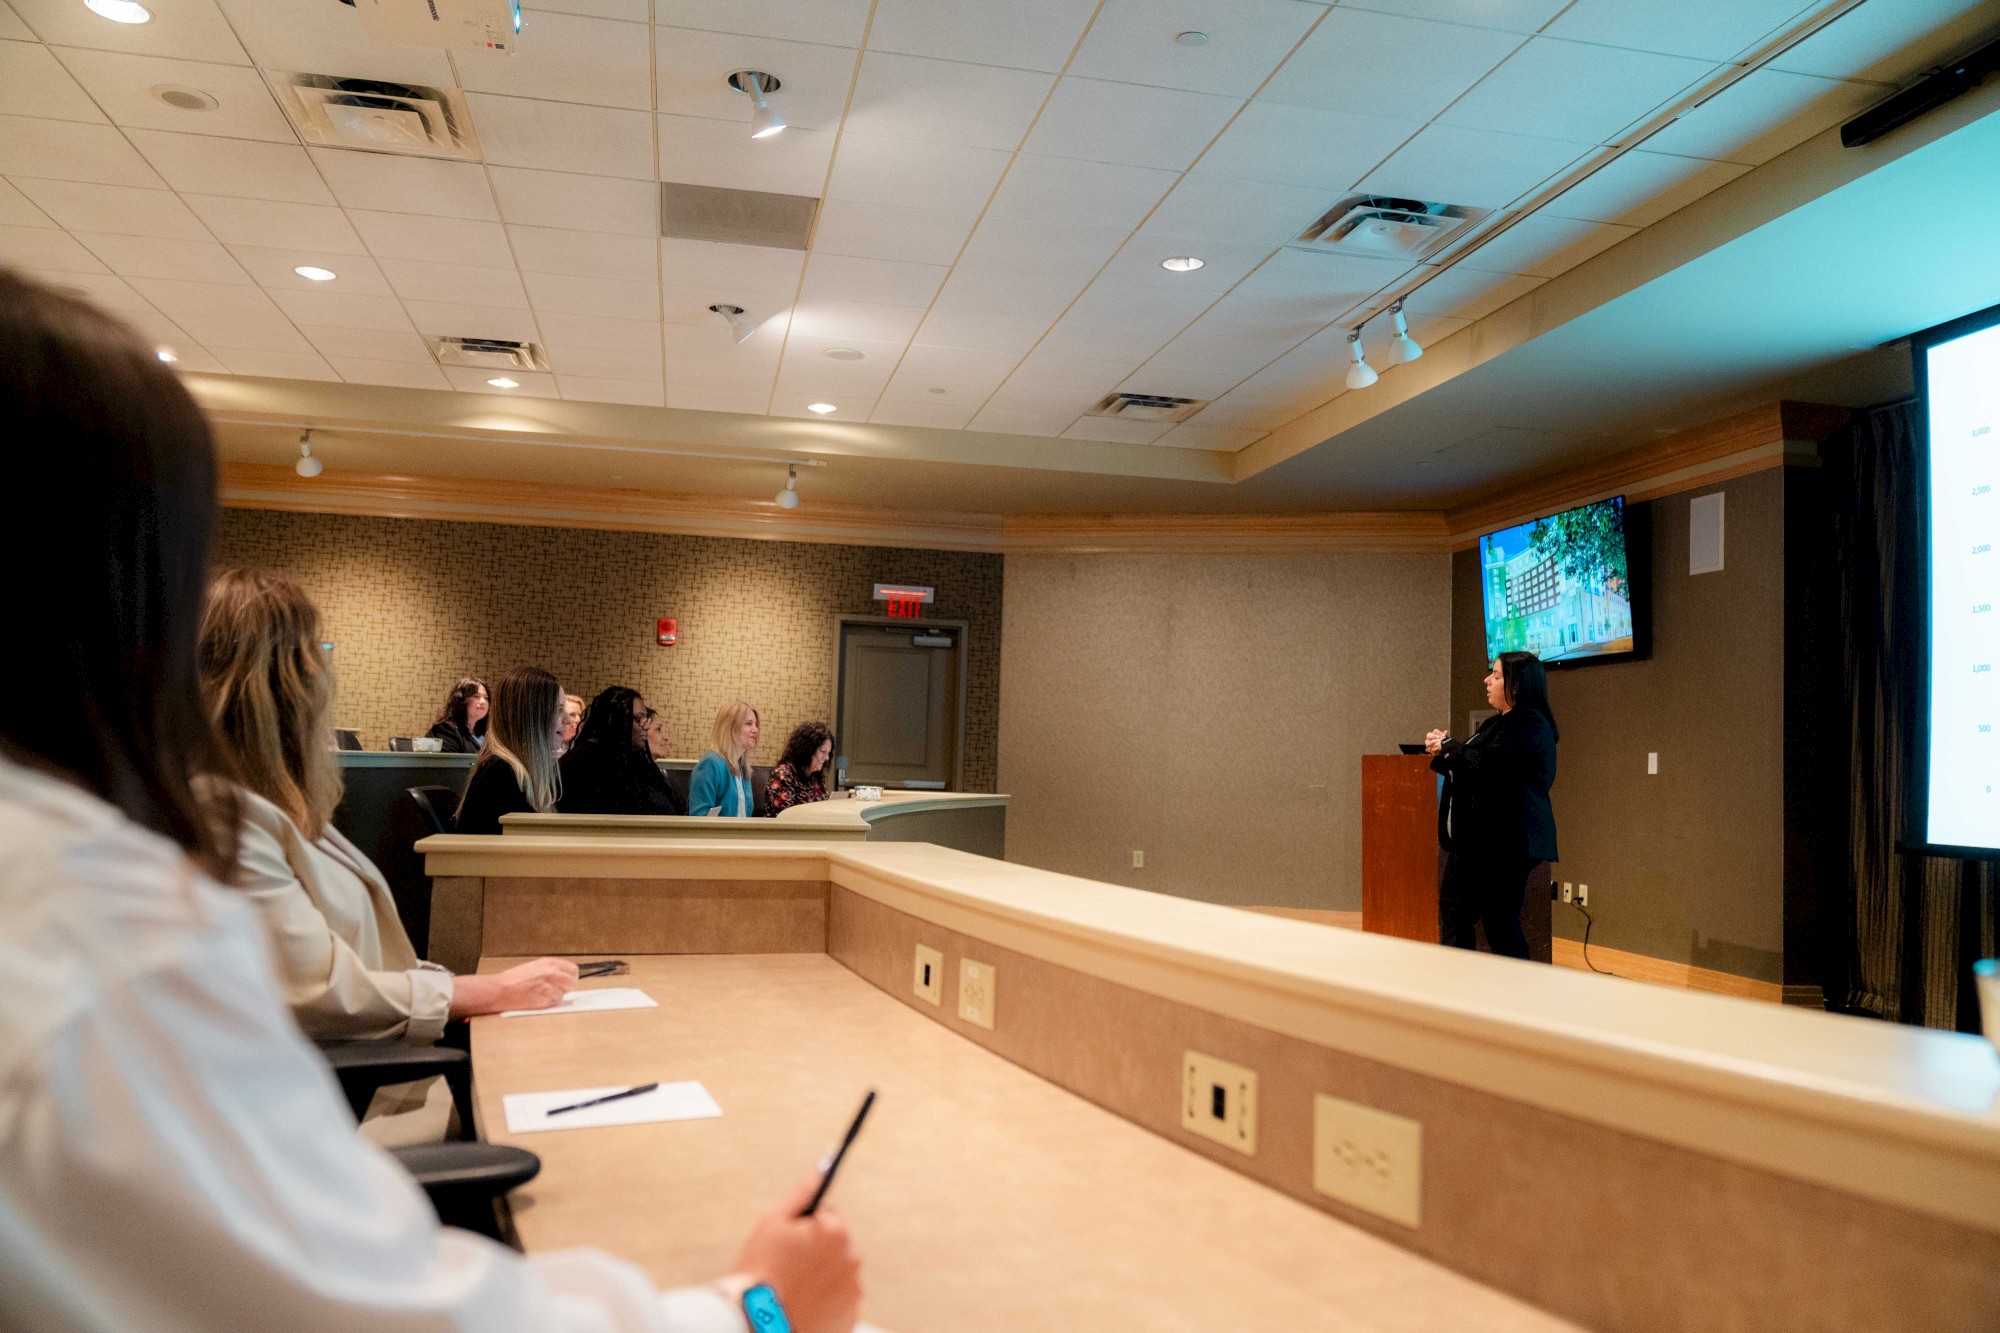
[{"x": 764, "y": 1311}]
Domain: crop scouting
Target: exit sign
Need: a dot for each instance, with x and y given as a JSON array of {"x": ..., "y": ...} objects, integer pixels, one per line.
[{"x": 905, "y": 601}]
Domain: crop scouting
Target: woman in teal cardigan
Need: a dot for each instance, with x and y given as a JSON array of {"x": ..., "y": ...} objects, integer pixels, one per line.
[{"x": 721, "y": 781}]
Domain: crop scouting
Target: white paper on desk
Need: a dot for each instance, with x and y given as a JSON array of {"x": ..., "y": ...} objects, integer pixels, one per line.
[
  {"x": 528, "y": 1112},
  {"x": 586, "y": 1001}
]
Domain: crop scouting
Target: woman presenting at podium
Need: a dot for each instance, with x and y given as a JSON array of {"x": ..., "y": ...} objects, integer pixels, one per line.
[{"x": 1494, "y": 817}]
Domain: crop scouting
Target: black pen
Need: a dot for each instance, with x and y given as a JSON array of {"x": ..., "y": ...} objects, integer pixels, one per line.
[
  {"x": 833, "y": 1163},
  {"x": 607, "y": 1097},
  {"x": 606, "y": 968}
]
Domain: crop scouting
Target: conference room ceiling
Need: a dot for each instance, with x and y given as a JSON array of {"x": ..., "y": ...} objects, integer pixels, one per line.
[{"x": 998, "y": 186}]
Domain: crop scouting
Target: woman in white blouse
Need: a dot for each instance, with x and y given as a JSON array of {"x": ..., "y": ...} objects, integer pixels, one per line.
[
  {"x": 173, "y": 1154},
  {"x": 343, "y": 957}
]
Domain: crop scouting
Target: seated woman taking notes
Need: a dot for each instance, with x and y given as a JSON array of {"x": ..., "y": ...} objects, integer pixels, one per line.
[
  {"x": 721, "y": 782},
  {"x": 516, "y": 772},
  {"x": 799, "y": 777}
]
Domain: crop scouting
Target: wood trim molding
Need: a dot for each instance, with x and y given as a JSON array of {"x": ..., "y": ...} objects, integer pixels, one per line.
[
  {"x": 1663, "y": 972},
  {"x": 1135, "y": 534}
]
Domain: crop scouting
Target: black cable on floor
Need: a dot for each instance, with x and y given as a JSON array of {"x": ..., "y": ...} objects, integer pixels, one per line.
[{"x": 1587, "y": 924}]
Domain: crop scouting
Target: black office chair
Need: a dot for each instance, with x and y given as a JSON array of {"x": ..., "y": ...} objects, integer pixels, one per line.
[{"x": 424, "y": 811}]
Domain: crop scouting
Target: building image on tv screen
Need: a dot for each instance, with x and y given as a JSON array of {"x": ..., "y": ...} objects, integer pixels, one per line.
[{"x": 1559, "y": 587}]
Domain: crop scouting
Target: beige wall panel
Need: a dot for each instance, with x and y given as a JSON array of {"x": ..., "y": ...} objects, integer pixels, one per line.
[
  {"x": 593, "y": 916},
  {"x": 1211, "y": 711}
]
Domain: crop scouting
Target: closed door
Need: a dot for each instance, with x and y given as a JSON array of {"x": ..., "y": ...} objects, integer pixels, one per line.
[{"x": 899, "y": 705}]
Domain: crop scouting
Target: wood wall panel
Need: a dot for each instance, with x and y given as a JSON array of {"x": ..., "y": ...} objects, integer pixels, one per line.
[{"x": 594, "y": 916}]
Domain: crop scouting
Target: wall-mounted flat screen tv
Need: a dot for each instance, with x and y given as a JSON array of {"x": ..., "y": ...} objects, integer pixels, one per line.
[{"x": 1566, "y": 588}]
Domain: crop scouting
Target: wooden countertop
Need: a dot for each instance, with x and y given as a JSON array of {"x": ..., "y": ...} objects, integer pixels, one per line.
[
  {"x": 981, "y": 1197},
  {"x": 838, "y": 819}
]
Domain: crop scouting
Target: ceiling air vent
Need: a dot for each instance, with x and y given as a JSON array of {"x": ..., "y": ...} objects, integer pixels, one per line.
[
  {"x": 738, "y": 217},
  {"x": 381, "y": 117},
  {"x": 488, "y": 354},
  {"x": 1384, "y": 227},
  {"x": 1147, "y": 407}
]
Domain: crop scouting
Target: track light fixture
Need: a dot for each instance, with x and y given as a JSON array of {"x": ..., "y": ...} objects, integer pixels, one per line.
[
  {"x": 1359, "y": 375},
  {"x": 754, "y": 83},
  {"x": 740, "y": 324},
  {"x": 789, "y": 497},
  {"x": 307, "y": 466},
  {"x": 1405, "y": 347}
]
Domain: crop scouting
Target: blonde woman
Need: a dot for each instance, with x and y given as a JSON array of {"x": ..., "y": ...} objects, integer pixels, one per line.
[
  {"x": 721, "y": 781},
  {"x": 346, "y": 964},
  {"x": 516, "y": 772},
  {"x": 572, "y": 719}
]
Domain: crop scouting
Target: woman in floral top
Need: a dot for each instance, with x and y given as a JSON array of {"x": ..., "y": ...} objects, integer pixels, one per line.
[{"x": 800, "y": 776}]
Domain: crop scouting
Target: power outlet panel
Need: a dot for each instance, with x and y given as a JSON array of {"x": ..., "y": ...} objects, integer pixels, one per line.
[
  {"x": 1138, "y": 859},
  {"x": 976, "y": 984},
  {"x": 1583, "y": 895},
  {"x": 1368, "y": 1159},
  {"x": 1569, "y": 892},
  {"x": 927, "y": 979},
  {"x": 1219, "y": 1101}
]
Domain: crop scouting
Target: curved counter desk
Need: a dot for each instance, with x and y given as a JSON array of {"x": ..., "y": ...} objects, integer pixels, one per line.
[
  {"x": 973, "y": 822},
  {"x": 1623, "y": 1156}
]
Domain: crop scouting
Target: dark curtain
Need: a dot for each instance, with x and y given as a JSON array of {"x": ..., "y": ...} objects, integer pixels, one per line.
[{"x": 1911, "y": 926}]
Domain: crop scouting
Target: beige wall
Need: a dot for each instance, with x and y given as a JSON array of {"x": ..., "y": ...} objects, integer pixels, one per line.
[
  {"x": 1211, "y": 712},
  {"x": 411, "y": 604}
]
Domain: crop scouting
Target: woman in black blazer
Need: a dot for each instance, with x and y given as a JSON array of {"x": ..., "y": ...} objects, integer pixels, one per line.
[{"x": 1494, "y": 817}]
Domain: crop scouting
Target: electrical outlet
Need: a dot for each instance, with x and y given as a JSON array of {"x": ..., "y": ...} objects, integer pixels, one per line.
[
  {"x": 976, "y": 984},
  {"x": 1569, "y": 892},
  {"x": 1369, "y": 1159},
  {"x": 1652, "y": 761},
  {"x": 1219, "y": 1101},
  {"x": 928, "y": 979},
  {"x": 1583, "y": 895},
  {"x": 1138, "y": 859}
]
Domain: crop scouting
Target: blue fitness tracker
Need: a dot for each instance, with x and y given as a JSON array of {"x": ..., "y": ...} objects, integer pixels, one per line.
[{"x": 764, "y": 1311}]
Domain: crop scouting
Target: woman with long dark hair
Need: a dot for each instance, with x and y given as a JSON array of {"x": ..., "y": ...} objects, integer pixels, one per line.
[
  {"x": 173, "y": 1154},
  {"x": 516, "y": 772},
  {"x": 1494, "y": 817},
  {"x": 799, "y": 776},
  {"x": 610, "y": 769},
  {"x": 461, "y": 720}
]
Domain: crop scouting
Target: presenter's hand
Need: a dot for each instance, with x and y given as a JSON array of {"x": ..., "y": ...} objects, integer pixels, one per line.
[
  {"x": 535, "y": 985},
  {"x": 1434, "y": 740},
  {"x": 809, "y": 1261}
]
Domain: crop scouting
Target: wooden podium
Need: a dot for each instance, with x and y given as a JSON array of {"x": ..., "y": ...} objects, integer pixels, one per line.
[{"x": 1399, "y": 846}]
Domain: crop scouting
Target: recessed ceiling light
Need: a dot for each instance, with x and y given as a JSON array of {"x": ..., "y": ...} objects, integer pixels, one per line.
[
  {"x": 1181, "y": 264},
  {"x": 502, "y": 382},
  {"x": 316, "y": 273},
  {"x": 166, "y": 354},
  {"x": 183, "y": 98},
  {"x": 1192, "y": 38},
  {"x": 843, "y": 354},
  {"x": 754, "y": 83},
  {"x": 821, "y": 408},
  {"x": 119, "y": 11}
]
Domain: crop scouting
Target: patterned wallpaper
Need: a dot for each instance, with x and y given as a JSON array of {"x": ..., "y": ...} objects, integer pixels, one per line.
[{"x": 412, "y": 604}]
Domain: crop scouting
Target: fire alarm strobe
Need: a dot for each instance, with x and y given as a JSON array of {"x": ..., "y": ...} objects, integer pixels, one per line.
[{"x": 669, "y": 632}]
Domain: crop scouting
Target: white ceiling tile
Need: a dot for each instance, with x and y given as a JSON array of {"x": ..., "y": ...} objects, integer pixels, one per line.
[
  {"x": 81, "y": 206},
  {"x": 722, "y": 154},
  {"x": 1223, "y": 264},
  {"x": 1006, "y": 421},
  {"x": 156, "y": 328},
  {"x": 722, "y": 373},
  {"x": 581, "y": 203},
  {"x": 974, "y": 289},
  {"x": 1022, "y": 34},
  {"x": 632, "y": 11},
  {"x": 1764, "y": 114},
  {"x": 741, "y": 267},
  {"x": 1639, "y": 188},
  {"x": 1707, "y": 29},
  {"x": 39, "y": 247},
  {"x": 328, "y": 39},
  {"x": 935, "y": 415},
  {"x": 11, "y": 27},
  {"x": 1022, "y": 246},
  {"x": 840, "y": 22},
  {"x": 855, "y": 319},
  {"x": 1318, "y": 359},
  {"x": 1133, "y": 41},
  {"x": 597, "y": 331},
  {"x": 1129, "y": 123},
  {"x": 106, "y": 290},
  {"x": 275, "y": 364},
  {"x": 1221, "y": 439},
  {"x": 1068, "y": 191},
  {"x": 182, "y": 301},
  {"x": 589, "y": 389},
  {"x": 16, "y": 210},
  {"x": 527, "y": 383},
  {"x": 248, "y": 168},
  {"x": 846, "y": 383},
  {"x": 158, "y": 257},
  {"x": 69, "y": 150},
  {"x": 563, "y": 136},
  {"x": 395, "y": 374},
  {"x": 1304, "y": 146},
  {"x": 276, "y": 267},
  {"x": 806, "y": 355},
  {"x": 34, "y": 83},
  {"x": 995, "y": 333},
  {"x": 1068, "y": 404},
  {"x": 1568, "y": 90},
  {"x": 768, "y": 312},
  {"x": 194, "y": 357},
  {"x": 1240, "y": 348},
  {"x": 935, "y": 101},
  {"x": 1521, "y": 16},
  {"x": 877, "y": 281},
  {"x": 444, "y": 240},
  {"x": 910, "y": 387},
  {"x": 883, "y": 231},
  {"x": 1130, "y": 343},
  {"x": 333, "y": 341},
  {"x": 588, "y": 254},
  {"x": 1157, "y": 310},
  {"x": 1387, "y": 65},
  {"x": 612, "y": 298},
  {"x": 694, "y": 70},
  {"x": 1544, "y": 246},
  {"x": 1468, "y": 293},
  {"x": 1116, "y": 431},
  {"x": 463, "y": 284},
  {"x": 1478, "y": 168},
  {"x": 1046, "y": 371},
  {"x": 274, "y": 334},
  {"x": 718, "y": 355},
  {"x": 957, "y": 364},
  {"x": 568, "y": 58},
  {"x": 1245, "y": 212},
  {"x": 277, "y": 225},
  {"x": 183, "y": 29},
  {"x": 1195, "y": 368},
  {"x": 383, "y": 314},
  {"x": 397, "y": 184},
  {"x": 1889, "y": 43},
  {"x": 718, "y": 398},
  {"x": 638, "y": 362},
  {"x": 120, "y": 82},
  {"x": 942, "y": 178}
]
